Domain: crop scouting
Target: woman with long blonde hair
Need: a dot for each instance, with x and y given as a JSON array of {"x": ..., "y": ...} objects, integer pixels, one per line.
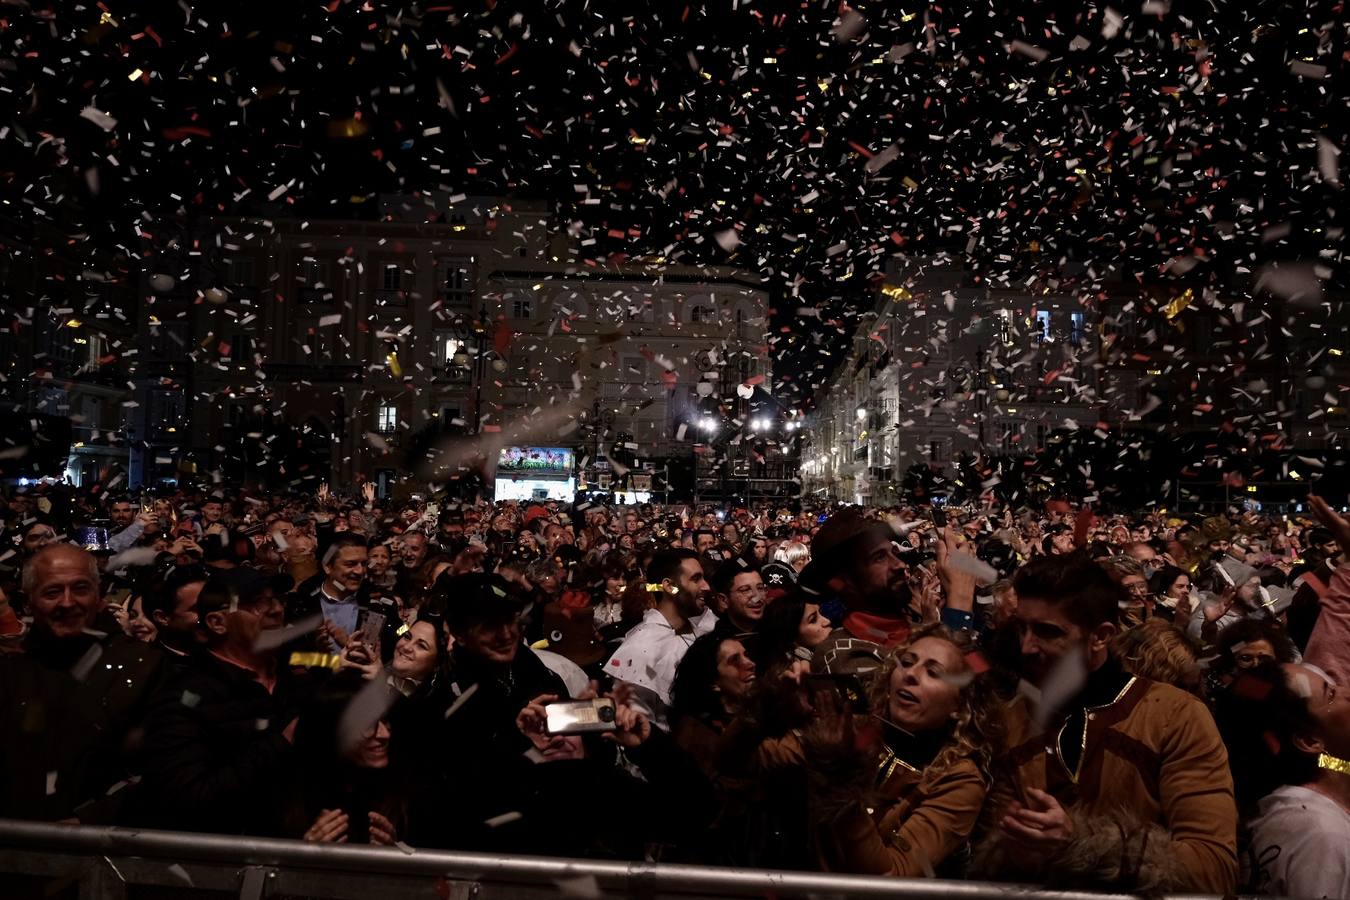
[{"x": 919, "y": 785}]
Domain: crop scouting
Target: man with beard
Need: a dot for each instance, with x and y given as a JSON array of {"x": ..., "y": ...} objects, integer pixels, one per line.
[
  {"x": 855, "y": 565},
  {"x": 130, "y": 526},
  {"x": 652, "y": 650},
  {"x": 218, "y": 741},
  {"x": 1111, "y": 779}
]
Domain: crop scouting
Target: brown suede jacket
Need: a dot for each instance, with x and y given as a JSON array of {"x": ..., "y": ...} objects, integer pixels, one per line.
[
  {"x": 1151, "y": 797},
  {"x": 910, "y": 826}
]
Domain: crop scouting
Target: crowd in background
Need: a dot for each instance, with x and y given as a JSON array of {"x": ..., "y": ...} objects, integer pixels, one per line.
[{"x": 1059, "y": 697}]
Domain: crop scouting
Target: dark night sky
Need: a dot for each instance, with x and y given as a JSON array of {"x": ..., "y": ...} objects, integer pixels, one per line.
[{"x": 805, "y": 141}]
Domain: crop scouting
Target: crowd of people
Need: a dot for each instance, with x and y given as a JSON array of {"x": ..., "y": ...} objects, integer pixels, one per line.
[{"x": 1057, "y": 697}]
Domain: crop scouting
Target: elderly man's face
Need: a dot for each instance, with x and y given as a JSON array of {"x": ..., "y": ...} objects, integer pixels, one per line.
[{"x": 65, "y": 596}]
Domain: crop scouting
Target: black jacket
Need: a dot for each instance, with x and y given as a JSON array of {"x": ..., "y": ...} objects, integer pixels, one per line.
[
  {"x": 477, "y": 747},
  {"x": 106, "y": 684},
  {"x": 215, "y": 757},
  {"x": 47, "y": 727},
  {"x": 593, "y": 807}
]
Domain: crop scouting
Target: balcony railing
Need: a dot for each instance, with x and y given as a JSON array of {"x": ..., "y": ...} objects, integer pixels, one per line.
[{"x": 331, "y": 372}]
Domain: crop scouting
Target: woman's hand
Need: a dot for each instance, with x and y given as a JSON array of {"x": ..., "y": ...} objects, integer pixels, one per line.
[
  {"x": 356, "y": 655},
  {"x": 335, "y": 633},
  {"x": 382, "y": 830},
  {"x": 831, "y": 728},
  {"x": 633, "y": 727},
  {"x": 329, "y": 828},
  {"x": 1216, "y": 610},
  {"x": 1185, "y": 607}
]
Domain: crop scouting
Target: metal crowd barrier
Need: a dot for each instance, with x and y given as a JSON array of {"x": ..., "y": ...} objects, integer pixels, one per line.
[{"x": 50, "y": 861}]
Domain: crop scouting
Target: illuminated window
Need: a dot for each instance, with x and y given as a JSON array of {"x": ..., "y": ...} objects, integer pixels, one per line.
[
  {"x": 1076, "y": 329},
  {"x": 449, "y": 348},
  {"x": 386, "y": 418},
  {"x": 457, "y": 281},
  {"x": 1044, "y": 334}
]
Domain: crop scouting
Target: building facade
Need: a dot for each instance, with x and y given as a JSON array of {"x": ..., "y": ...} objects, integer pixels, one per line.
[
  {"x": 942, "y": 367},
  {"x": 67, "y": 338},
  {"x": 349, "y": 341},
  {"x": 945, "y": 367}
]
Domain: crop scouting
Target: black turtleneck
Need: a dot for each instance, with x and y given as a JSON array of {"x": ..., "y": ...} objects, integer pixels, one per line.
[{"x": 1103, "y": 686}]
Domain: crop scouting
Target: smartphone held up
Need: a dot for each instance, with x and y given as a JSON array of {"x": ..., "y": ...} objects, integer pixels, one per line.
[{"x": 581, "y": 717}]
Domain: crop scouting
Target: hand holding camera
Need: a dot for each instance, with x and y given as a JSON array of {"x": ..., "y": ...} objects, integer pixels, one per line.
[
  {"x": 356, "y": 655},
  {"x": 632, "y": 728}
]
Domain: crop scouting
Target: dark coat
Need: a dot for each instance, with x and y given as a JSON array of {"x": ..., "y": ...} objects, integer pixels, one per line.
[
  {"x": 215, "y": 756},
  {"x": 593, "y": 807},
  {"x": 97, "y": 691},
  {"x": 477, "y": 748},
  {"x": 45, "y": 740}
]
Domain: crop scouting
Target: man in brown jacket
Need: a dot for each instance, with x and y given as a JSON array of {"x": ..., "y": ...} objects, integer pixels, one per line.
[{"x": 1112, "y": 780}]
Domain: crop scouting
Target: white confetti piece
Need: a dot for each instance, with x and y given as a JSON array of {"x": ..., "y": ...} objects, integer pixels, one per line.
[
  {"x": 1307, "y": 70},
  {"x": 460, "y": 701},
  {"x": 135, "y": 556},
  {"x": 1328, "y": 160},
  {"x": 277, "y": 637},
  {"x": 101, "y": 119},
  {"x": 1030, "y": 51},
  {"x": 728, "y": 240},
  {"x": 1063, "y": 682},
  {"x": 504, "y": 819},
  {"x": 85, "y": 664},
  {"x": 980, "y": 570}
]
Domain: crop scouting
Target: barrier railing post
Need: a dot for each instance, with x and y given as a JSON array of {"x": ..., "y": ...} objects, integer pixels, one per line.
[
  {"x": 253, "y": 886},
  {"x": 100, "y": 881}
]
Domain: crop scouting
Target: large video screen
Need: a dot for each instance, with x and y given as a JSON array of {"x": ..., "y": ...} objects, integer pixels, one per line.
[{"x": 535, "y": 461}]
